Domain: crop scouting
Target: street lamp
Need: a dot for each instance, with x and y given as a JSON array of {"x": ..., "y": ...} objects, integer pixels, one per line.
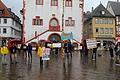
[
  {"x": 63, "y": 18},
  {"x": 82, "y": 21},
  {"x": 23, "y": 22}
]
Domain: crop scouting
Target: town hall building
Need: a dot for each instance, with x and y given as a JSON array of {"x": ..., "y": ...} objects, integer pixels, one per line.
[{"x": 49, "y": 19}]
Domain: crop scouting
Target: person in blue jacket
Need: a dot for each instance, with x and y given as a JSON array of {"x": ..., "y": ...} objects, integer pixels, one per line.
[{"x": 29, "y": 49}]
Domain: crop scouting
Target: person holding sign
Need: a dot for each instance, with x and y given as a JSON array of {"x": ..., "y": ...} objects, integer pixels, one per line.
[{"x": 45, "y": 52}]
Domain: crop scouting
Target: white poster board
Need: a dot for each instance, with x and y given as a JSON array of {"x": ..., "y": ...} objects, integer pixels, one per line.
[
  {"x": 91, "y": 43},
  {"x": 45, "y": 54},
  {"x": 80, "y": 47},
  {"x": 56, "y": 45}
]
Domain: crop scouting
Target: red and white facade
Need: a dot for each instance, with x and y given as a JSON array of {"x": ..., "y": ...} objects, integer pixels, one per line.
[{"x": 44, "y": 19}]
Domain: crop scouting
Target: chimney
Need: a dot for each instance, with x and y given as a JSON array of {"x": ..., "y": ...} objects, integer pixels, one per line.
[
  {"x": 9, "y": 9},
  {"x": 92, "y": 9},
  {"x": 117, "y": 0}
]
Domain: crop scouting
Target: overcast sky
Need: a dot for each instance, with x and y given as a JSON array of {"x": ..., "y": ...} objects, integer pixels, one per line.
[
  {"x": 17, "y": 4},
  {"x": 94, "y": 3}
]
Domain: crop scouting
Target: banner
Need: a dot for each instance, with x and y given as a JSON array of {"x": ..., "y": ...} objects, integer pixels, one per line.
[
  {"x": 66, "y": 36},
  {"x": 56, "y": 45},
  {"x": 91, "y": 43}
]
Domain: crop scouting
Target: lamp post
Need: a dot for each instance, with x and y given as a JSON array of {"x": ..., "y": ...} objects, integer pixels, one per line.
[
  {"x": 82, "y": 21},
  {"x": 63, "y": 17},
  {"x": 23, "y": 22}
]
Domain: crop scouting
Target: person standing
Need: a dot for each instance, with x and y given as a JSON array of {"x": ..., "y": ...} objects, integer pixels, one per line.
[
  {"x": 66, "y": 50},
  {"x": 70, "y": 47},
  {"x": 29, "y": 49},
  {"x": 13, "y": 52},
  {"x": 117, "y": 53},
  {"x": 111, "y": 51},
  {"x": 4, "y": 52},
  {"x": 81, "y": 49},
  {"x": 94, "y": 53},
  {"x": 39, "y": 53},
  {"x": 24, "y": 48}
]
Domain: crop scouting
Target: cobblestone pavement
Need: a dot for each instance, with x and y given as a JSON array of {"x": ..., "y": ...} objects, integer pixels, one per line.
[{"x": 75, "y": 68}]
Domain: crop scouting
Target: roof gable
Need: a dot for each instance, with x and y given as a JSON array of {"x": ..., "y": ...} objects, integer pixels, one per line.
[
  {"x": 115, "y": 6},
  {"x": 7, "y": 13},
  {"x": 4, "y": 9},
  {"x": 101, "y": 11}
]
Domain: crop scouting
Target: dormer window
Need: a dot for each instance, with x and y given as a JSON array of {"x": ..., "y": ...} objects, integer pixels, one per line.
[{"x": 1, "y": 12}]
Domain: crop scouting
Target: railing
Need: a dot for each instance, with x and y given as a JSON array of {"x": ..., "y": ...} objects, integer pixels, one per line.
[
  {"x": 36, "y": 36},
  {"x": 76, "y": 41}
]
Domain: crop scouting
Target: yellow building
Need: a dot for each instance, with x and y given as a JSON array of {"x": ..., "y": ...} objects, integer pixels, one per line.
[{"x": 102, "y": 26}]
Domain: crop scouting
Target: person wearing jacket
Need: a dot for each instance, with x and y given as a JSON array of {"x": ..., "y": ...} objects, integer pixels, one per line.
[
  {"x": 13, "y": 52},
  {"x": 4, "y": 52},
  {"x": 39, "y": 53},
  {"x": 29, "y": 49}
]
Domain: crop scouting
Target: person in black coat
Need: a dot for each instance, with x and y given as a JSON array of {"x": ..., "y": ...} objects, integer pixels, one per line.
[
  {"x": 111, "y": 51},
  {"x": 94, "y": 53},
  {"x": 70, "y": 47},
  {"x": 13, "y": 52},
  {"x": 66, "y": 50},
  {"x": 29, "y": 50}
]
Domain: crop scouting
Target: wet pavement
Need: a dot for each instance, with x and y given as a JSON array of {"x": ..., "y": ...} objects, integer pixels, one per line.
[{"x": 75, "y": 68}]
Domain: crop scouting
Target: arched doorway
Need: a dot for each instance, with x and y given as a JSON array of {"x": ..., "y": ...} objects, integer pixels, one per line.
[{"x": 54, "y": 37}]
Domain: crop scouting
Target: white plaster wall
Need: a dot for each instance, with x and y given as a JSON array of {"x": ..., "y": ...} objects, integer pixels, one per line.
[
  {"x": 45, "y": 12},
  {"x": 8, "y": 27},
  {"x": 76, "y": 13}
]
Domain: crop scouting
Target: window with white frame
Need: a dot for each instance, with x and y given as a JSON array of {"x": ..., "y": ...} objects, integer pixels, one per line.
[
  {"x": 67, "y": 22},
  {"x": 68, "y": 3},
  {"x": 37, "y": 21},
  {"x": 101, "y": 30},
  {"x": 106, "y": 31},
  {"x": 4, "y": 30},
  {"x": 39, "y": 2},
  {"x": 111, "y": 30},
  {"x": 111, "y": 21},
  {"x": 5, "y": 21},
  {"x": 12, "y": 31},
  {"x": 106, "y": 20},
  {"x": 101, "y": 21},
  {"x": 54, "y": 2},
  {"x": 70, "y": 22},
  {"x": 1, "y": 12},
  {"x": 97, "y": 21},
  {"x": 12, "y": 22}
]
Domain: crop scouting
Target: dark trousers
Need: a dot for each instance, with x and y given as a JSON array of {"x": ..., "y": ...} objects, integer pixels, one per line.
[
  {"x": 29, "y": 54},
  {"x": 94, "y": 56},
  {"x": 41, "y": 61},
  {"x": 111, "y": 54}
]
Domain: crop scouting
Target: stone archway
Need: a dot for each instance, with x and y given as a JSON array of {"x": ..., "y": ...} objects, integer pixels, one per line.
[{"x": 54, "y": 37}]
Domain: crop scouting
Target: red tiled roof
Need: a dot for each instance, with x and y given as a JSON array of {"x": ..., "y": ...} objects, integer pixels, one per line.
[{"x": 5, "y": 10}]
